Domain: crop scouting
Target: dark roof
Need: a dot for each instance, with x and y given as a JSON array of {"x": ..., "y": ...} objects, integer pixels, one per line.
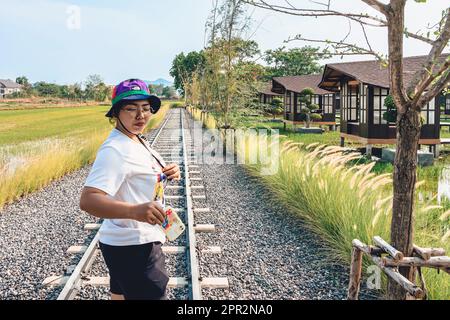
[
  {"x": 298, "y": 83},
  {"x": 268, "y": 90},
  {"x": 371, "y": 72},
  {"x": 10, "y": 84}
]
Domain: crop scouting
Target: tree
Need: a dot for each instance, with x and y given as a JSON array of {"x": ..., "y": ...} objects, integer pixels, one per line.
[
  {"x": 184, "y": 67},
  {"x": 96, "y": 89},
  {"x": 427, "y": 83},
  {"x": 64, "y": 92},
  {"x": 168, "y": 92},
  {"x": 46, "y": 89},
  {"x": 76, "y": 91},
  {"x": 227, "y": 58},
  {"x": 391, "y": 114},
  {"x": 284, "y": 62},
  {"x": 22, "y": 80},
  {"x": 307, "y": 107},
  {"x": 93, "y": 86},
  {"x": 275, "y": 108},
  {"x": 26, "y": 86},
  {"x": 156, "y": 89}
]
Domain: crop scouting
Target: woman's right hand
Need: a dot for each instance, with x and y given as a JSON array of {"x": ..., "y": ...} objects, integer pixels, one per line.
[{"x": 150, "y": 212}]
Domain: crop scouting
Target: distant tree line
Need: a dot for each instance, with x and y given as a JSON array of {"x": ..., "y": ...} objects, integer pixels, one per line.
[{"x": 94, "y": 89}]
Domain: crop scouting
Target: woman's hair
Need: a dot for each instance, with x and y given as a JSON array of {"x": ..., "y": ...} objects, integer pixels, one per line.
[
  {"x": 116, "y": 110},
  {"x": 117, "y": 107}
]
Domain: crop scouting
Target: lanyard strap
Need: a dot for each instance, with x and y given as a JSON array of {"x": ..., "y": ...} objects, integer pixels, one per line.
[{"x": 143, "y": 140}]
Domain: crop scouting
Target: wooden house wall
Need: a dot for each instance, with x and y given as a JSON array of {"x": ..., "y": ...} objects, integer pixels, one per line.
[{"x": 365, "y": 122}]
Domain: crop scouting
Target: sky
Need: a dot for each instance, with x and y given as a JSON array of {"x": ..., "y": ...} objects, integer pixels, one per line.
[{"x": 65, "y": 41}]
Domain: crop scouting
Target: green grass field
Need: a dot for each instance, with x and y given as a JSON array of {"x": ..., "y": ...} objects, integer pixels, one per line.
[{"x": 35, "y": 124}]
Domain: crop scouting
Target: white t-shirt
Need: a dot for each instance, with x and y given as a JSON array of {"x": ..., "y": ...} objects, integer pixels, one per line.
[{"x": 127, "y": 172}]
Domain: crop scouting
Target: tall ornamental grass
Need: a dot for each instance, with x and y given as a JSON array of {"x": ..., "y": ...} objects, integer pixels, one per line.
[{"x": 340, "y": 201}]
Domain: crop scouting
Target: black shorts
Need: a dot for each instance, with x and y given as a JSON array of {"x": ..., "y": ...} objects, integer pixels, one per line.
[{"x": 137, "y": 272}]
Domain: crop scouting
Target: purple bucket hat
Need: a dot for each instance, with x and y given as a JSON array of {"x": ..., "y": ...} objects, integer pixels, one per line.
[{"x": 133, "y": 89}]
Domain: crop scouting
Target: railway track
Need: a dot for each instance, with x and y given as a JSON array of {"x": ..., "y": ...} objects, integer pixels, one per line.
[{"x": 173, "y": 142}]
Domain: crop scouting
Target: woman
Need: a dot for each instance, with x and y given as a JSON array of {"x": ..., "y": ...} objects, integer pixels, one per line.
[{"x": 119, "y": 189}]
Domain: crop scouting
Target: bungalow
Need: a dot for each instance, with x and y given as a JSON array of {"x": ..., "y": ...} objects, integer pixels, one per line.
[
  {"x": 266, "y": 95},
  {"x": 8, "y": 87},
  {"x": 363, "y": 87},
  {"x": 291, "y": 87}
]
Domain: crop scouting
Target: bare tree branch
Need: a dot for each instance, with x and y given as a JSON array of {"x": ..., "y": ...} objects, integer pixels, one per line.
[
  {"x": 348, "y": 33},
  {"x": 347, "y": 48},
  {"x": 442, "y": 73},
  {"x": 321, "y": 3},
  {"x": 418, "y": 86},
  {"x": 365, "y": 36},
  {"x": 377, "y": 5},
  {"x": 418, "y": 37},
  {"x": 440, "y": 85},
  {"x": 315, "y": 12},
  {"x": 289, "y": 4},
  {"x": 360, "y": 18}
]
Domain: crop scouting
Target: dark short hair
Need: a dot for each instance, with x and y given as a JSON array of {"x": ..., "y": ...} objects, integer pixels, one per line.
[{"x": 116, "y": 108}]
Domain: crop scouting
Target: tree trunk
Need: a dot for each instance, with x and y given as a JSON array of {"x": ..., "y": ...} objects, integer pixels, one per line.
[{"x": 405, "y": 164}]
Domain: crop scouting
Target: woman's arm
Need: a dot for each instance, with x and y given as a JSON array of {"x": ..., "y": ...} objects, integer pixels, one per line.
[{"x": 95, "y": 202}]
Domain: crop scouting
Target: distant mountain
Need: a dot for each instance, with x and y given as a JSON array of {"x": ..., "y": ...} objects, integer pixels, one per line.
[{"x": 159, "y": 81}]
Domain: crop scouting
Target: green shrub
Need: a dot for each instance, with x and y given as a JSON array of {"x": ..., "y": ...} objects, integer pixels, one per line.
[{"x": 177, "y": 105}]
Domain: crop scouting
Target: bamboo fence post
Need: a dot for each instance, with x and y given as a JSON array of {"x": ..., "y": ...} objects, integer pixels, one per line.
[
  {"x": 425, "y": 257},
  {"x": 410, "y": 287},
  {"x": 394, "y": 253},
  {"x": 355, "y": 272},
  {"x": 367, "y": 249},
  {"x": 433, "y": 262},
  {"x": 422, "y": 282},
  {"x": 427, "y": 253}
]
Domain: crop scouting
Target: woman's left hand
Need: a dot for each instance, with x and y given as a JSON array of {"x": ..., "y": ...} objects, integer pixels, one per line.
[{"x": 172, "y": 171}]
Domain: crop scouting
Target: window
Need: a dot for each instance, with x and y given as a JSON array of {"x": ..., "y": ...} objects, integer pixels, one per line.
[
  {"x": 363, "y": 103},
  {"x": 343, "y": 101},
  {"x": 291, "y": 97},
  {"x": 300, "y": 104},
  {"x": 447, "y": 102},
  {"x": 428, "y": 112},
  {"x": 349, "y": 102},
  {"x": 288, "y": 101},
  {"x": 379, "y": 95},
  {"x": 327, "y": 103},
  {"x": 315, "y": 99}
]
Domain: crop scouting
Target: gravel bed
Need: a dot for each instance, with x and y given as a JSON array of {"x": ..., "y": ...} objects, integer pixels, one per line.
[
  {"x": 266, "y": 251},
  {"x": 35, "y": 233}
]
